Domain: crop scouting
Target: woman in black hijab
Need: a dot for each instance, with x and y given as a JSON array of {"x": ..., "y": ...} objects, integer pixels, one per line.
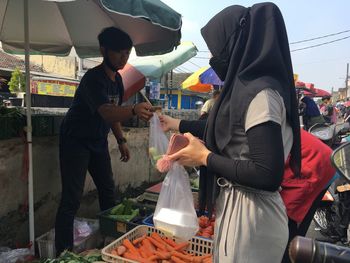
[{"x": 251, "y": 132}]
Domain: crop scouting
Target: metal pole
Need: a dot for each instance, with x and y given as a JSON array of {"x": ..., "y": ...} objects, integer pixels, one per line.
[
  {"x": 347, "y": 76},
  {"x": 29, "y": 128}
]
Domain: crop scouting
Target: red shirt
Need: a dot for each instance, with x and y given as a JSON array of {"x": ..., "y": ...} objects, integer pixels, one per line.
[{"x": 298, "y": 194}]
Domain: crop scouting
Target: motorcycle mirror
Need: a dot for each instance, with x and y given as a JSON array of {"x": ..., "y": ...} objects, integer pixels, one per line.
[{"x": 341, "y": 160}]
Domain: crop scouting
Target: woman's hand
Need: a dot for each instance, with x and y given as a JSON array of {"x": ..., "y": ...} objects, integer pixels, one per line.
[
  {"x": 168, "y": 123},
  {"x": 194, "y": 154}
]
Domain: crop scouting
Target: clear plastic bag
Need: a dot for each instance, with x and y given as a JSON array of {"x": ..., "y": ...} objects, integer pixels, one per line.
[
  {"x": 175, "y": 213},
  {"x": 83, "y": 229},
  {"x": 15, "y": 255},
  {"x": 158, "y": 141}
]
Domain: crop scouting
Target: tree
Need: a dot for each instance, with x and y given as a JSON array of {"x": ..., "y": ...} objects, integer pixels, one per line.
[{"x": 17, "y": 82}]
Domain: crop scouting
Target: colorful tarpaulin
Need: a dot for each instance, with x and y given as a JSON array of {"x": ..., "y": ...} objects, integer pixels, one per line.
[
  {"x": 209, "y": 77},
  {"x": 193, "y": 82}
]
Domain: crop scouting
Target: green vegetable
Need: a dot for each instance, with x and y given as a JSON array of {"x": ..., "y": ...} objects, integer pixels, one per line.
[
  {"x": 126, "y": 218},
  {"x": 118, "y": 210},
  {"x": 195, "y": 182},
  {"x": 128, "y": 207},
  {"x": 69, "y": 257}
]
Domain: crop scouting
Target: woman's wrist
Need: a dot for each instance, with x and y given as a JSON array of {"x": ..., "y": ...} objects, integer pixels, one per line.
[
  {"x": 205, "y": 157},
  {"x": 176, "y": 125}
]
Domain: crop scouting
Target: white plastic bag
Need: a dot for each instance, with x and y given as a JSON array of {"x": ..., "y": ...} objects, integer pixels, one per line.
[
  {"x": 15, "y": 255},
  {"x": 175, "y": 213},
  {"x": 158, "y": 142}
]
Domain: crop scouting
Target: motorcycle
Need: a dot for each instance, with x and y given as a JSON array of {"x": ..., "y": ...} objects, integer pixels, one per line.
[
  {"x": 327, "y": 214},
  {"x": 306, "y": 250},
  {"x": 333, "y": 215}
]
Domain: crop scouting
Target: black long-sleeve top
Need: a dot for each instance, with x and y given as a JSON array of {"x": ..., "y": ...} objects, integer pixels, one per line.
[{"x": 265, "y": 168}]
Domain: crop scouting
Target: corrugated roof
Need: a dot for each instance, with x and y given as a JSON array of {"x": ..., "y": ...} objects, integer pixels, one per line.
[{"x": 11, "y": 62}]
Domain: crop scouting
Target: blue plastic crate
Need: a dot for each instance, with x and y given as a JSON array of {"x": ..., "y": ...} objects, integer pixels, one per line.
[{"x": 148, "y": 221}]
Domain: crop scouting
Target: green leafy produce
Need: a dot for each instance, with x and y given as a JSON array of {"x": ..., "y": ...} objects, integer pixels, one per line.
[
  {"x": 118, "y": 210},
  {"x": 126, "y": 218},
  {"x": 195, "y": 182},
  {"x": 69, "y": 257},
  {"x": 124, "y": 211}
]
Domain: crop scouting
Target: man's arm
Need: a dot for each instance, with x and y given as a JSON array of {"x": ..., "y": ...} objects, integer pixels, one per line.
[
  {"x": 118, "y": 134},
  {"x": 117, "y": 131},
  {"x": 112, "y": 113}
]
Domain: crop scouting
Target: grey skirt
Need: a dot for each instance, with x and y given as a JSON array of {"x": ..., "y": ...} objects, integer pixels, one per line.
[{"x": 251, "y": 225}]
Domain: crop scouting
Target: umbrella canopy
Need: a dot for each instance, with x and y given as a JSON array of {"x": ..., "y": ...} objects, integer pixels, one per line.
[
  {"x": 209, "y": 77},
  {"x": 346, "y": 103},
  {"x": 56, "y": 26},
  {"x": 157, "y": 66},
  {"x": 193, "y": 82},
  {"x": 321, "y": 93}
]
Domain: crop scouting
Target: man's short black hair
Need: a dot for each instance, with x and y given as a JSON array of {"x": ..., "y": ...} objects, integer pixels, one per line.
[{"x": 114, "y": 39}]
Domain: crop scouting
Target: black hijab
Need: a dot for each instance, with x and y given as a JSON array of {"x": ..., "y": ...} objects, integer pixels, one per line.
[{"x": 250, "y": 52}]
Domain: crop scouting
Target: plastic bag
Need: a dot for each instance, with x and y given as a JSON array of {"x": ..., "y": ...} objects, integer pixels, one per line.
[
  {"x": 15, "y": 255},
  {"x": 158, "y": 141},
  {"x": 83, "y": 229},
  {"x": 175, "y": 214}
]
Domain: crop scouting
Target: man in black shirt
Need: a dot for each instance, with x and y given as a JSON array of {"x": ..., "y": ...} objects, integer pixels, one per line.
[{"x": 95, "y": 110}]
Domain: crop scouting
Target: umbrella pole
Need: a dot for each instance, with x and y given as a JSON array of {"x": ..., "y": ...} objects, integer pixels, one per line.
[{"x": 29, "y": 128}]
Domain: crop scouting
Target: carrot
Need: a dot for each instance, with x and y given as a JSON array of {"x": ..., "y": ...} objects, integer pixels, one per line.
[
  {"x": 163, "y": 255},
  {"x": 206, "y": 256},
  {"x": 156, "y": 243},
  {"x": 157, "y": 237},
  {"x": 148, "y": 245},
  {"x": 138, "y": 240},
  {"x": 170, "y": 242},
  {"x": 147, "y": 251},
  {"x": 181, "y": 256},
  {"x": 181, "y": 246},
  {"x": 153, "y": 258},
  {"x": 169, "y": 248},
  {"x": 208, "y": 260},
  {"x": 130, "y": 246},
  {"x": 200, "y": 259},
  {"x": 143, "y": 254},
  {"x": 177, "y": 260},
  {"x": 120, "y": 250},
  {"x": 131, "y": 256}
]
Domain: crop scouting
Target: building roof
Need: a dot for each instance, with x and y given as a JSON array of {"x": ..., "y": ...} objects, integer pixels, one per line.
[{"x": 11, "y": 62}]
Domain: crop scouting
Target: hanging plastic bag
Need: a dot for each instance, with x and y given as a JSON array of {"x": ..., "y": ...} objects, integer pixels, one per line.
[
  {"x": 158, "y": 141},
  {"x": 175, "y": 214}
]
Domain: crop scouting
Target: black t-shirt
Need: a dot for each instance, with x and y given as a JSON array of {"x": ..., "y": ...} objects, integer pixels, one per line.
[{"x": 95, "y": 89}]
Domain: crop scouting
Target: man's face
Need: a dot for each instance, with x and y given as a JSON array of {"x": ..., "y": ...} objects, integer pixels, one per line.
[{"x": 118, "y": 58}]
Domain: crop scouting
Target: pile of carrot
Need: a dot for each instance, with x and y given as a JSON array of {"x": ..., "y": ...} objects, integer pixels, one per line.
[
  {"x": 157, "y": 249},
  {"x": 206, "y": 227}
]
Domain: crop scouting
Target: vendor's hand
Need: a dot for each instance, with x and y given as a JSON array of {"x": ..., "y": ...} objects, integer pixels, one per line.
[
  {"x": 143, "y": 111},
  {"x": 194, "y": 154},
  {"x": 168, "y": 123},
  {"x": 124, "y": 152}
]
